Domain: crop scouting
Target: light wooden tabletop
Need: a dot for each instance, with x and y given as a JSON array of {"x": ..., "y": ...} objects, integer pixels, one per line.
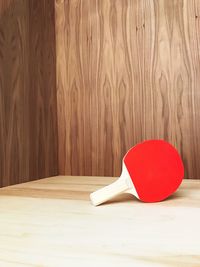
[{"x": 51, "y": 222}]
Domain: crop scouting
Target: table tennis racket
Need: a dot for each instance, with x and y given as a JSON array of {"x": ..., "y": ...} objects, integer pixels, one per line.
[{"x": 151, "y": 171}]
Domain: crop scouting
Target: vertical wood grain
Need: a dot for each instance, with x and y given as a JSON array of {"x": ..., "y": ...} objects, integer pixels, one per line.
[
  {"x": 28, "y": 138},
  {"x": 42, "y": 96},
  {"x": 13, "y": 85},
  {"x": 126, "y": 71}
]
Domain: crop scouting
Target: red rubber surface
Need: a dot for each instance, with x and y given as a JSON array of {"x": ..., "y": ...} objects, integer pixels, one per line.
[{"x": 155, "y": 168}]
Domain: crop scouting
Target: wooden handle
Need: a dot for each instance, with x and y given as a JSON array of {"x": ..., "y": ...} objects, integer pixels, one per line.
[{"x": 109, "y": 191}]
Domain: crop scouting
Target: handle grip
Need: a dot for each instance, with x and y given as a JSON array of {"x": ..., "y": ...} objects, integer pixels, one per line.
[{"x": 109, "y": 191}]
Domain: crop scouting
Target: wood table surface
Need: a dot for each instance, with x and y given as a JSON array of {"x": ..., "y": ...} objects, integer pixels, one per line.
[{"x": 51, "y": 222}]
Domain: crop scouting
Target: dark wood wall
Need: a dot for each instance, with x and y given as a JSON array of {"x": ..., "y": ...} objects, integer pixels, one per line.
[
  {"x": 127, "y": 70},
  {"x": 28, "y": 119}
]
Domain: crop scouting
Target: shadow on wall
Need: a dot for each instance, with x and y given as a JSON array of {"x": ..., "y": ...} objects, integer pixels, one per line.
[{"x": 28, "y": 120}]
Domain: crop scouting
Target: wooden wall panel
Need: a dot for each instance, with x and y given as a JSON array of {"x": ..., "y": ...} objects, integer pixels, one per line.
[
  {"x": 127, "y": 70},
  {"x": 42, "y": 97},
  {"x": 28, "y": 121}
]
